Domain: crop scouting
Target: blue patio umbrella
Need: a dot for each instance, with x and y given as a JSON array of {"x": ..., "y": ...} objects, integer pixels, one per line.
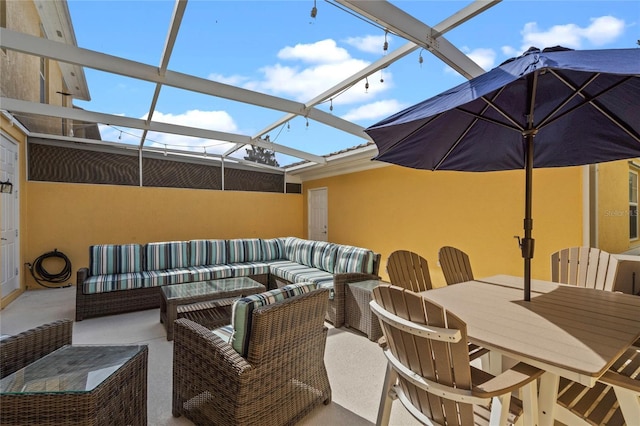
[{"x": 552, "y": 108}]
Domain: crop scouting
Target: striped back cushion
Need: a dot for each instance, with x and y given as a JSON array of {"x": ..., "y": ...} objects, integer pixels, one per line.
[
  {"x": 323, "y": 256},
  {"x": 107, "y": 259},
  {"x": 242, "y": 312},
  {"x": 166, "y": 255},
  {"x": 273, "y": 249},
  {"x": 207, "y": 252},
  {"x": 244, "y": 250},
  {"x": 299, "y": 250},
  {"x": 353, "y": 259}
]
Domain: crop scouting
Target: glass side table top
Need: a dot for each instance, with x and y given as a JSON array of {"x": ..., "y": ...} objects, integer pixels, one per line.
[
  {"x": 72, "y": 368},
  {"x": 369, "y": 284},
  {"x": 201, "y": 288}
]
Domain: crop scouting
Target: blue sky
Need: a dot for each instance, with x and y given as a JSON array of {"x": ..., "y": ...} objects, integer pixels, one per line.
[{"x": 275, "y": 47}]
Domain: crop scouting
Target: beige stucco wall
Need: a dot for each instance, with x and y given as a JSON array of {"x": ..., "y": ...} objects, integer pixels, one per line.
[{"x": 399, "y": 208}]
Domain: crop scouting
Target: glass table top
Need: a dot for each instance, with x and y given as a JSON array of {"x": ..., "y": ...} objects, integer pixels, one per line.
[
  {"x": 201, "y": 288},
  {"x": 72, "y": 368},
  {"x": 368, "y": 284}
]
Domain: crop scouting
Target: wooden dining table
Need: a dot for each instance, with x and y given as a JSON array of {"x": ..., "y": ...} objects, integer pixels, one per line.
[{"x": 567, "y": 331}]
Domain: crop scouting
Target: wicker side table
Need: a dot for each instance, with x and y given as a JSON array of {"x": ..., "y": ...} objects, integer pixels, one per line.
[
  {"x": 357, "y": 312},
  {"x": 79, "y": 385}
]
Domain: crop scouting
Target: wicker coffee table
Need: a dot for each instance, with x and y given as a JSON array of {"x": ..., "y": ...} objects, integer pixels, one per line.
[
  {"x": 206, "y": 302},
  {"x": 79, "y": 385},
  {"x": 357, "y": 312}
]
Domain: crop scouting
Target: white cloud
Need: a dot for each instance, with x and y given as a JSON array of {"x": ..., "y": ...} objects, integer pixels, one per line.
[
  {"x": 212, "y": 120},
  {"x": 509, "y": 51},
  {"x": 601, "y": 31},
  {"x": 485, "y": 58},
  {"x": 332, "y": 64},
  {"x": 370, "y": 43},
  {"x": 324, "y": 51},
  {"x": 375, "y": 110}
]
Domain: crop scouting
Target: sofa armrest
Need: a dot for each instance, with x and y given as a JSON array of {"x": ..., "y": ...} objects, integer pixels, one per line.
[
  {"x": 29, "y": 346},
  {"x": 81, "y": 275}
]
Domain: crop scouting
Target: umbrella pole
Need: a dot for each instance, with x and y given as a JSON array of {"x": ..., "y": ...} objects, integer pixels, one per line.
[{"x": 528, "y": 242}]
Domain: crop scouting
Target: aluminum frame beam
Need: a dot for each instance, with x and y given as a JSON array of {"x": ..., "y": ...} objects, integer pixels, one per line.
[
  {"x": 113, "y": 64},
  {"x": 460, "y": 17},
  {"x": 406, "y": 26},
  {"x": 17, "y": 105}
]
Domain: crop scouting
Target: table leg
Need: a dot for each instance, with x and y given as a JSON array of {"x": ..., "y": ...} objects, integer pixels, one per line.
[
  {"x": 629, "y": 404},
  {"x": 548, "y": 397},
  {"x": 172, "y": 315}
]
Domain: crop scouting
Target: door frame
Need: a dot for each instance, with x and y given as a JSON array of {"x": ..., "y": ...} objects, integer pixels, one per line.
[{"x": 15, "y": 180}]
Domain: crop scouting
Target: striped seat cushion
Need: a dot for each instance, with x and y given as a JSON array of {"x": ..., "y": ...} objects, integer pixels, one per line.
[
  {"x": 353, "y": 259},
  {"x": 107, "y": 259},
  {"x": 225, "y": 332},
  {"x": 210, "y": 272},
  {"x": 166, "y": 255},
  {"x": 244, "y": 250},
  {"x": 114, "y": 282},
  {"x": 273, "y": 249},
  {"x": 207, "y": 252},
  {"x": 248, "y": 268},
  {"x": 295, "y": 273},
  {"x": 242, "y": 311},
  {"x": 175, "y": 276}
]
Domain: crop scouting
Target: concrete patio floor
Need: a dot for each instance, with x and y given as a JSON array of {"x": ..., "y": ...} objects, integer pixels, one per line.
[{"x": 355, "y": 365}]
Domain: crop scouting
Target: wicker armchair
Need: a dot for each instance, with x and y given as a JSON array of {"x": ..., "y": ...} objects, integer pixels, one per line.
[
  {"x": 22, "y": 349},
  {"x": 282, "y": 378}
]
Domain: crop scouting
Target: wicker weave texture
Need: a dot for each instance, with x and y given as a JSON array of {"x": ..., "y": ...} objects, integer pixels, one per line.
[
  {"x": 113, "y": 302},
  {"x": 282, "y": 379},
  {"x": 358, "y": 313},
  {"x": 22, "y": 349},
  {"x": 120, "y": 400}
]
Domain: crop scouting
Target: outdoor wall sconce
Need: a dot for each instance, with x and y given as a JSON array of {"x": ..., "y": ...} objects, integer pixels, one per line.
[{"x": 6, "y": 187}]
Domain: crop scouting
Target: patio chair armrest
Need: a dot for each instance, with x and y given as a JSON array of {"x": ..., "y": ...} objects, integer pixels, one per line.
[
  {"x": 29, "y": 346},
  {"x": 195, "y": 341},
  {"x": 489, "y": 386},
  {"x": 621, "y": 381}
]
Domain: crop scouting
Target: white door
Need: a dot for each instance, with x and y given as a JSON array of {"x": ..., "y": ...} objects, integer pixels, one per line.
[
  {"x": 10, "y": 248},
  {"x": 318, "y": 214}
]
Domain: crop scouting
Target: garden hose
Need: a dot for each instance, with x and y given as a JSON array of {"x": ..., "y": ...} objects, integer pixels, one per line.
[{"x": 39, "y": 273}]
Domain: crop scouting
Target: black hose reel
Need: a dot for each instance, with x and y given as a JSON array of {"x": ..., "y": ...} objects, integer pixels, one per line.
[{"x": 40, "y": 274}]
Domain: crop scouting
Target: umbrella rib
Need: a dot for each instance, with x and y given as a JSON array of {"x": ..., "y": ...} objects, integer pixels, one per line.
[
  {"x": 479, "y": 116},
  {"x": 592, "y": 101},
  {"x": 576, "y": 91}
]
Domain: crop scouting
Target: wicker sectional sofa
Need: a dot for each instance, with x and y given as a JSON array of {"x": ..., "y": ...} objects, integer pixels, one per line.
[{"x": 128, "y": 277}]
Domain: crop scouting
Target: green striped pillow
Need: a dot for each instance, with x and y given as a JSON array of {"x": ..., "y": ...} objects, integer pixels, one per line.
[
  {"x": 242, "y": 311},
  {"x": 108, "y": 259},
  {"x": 353, "y": 259},
  {"x": 244, "y": 250}
]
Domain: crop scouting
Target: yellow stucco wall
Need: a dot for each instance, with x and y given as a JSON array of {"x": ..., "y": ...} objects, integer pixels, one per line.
[
  {"x": 613, "y": 207},
  {"x": 394, "y": 208},
  {"x": 71, "y": 217}
]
